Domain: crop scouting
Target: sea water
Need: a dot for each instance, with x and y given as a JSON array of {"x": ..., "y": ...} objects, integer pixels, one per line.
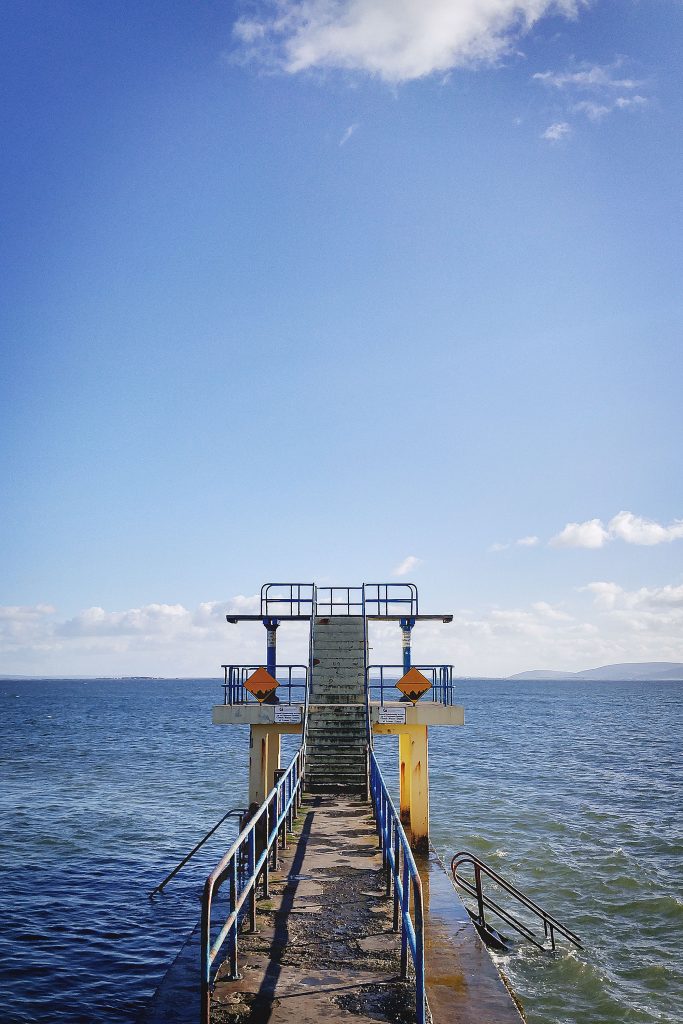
[{"x": 570, "y": 789}]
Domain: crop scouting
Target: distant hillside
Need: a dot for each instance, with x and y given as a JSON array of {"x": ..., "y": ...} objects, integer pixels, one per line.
[{"x": 642, "y": 671}]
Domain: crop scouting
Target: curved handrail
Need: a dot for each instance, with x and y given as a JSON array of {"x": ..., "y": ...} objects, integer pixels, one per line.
[
  {"x": 233, "y": 812},
  {"x": 550, "y": 923}
]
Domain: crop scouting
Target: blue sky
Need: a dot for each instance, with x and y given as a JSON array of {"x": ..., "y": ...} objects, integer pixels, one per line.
[{"x": 298, "y": 298}]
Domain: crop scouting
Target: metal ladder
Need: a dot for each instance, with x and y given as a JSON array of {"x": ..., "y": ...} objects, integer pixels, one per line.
[{"x": 490, "y": 936}]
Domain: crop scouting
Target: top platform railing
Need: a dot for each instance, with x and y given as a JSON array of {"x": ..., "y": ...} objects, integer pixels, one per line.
[{"x": 303, "y": 600}]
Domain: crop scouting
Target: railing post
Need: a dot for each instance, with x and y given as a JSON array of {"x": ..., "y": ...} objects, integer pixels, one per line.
[
  {"x": 266, "y": 862},
  {"x": 419, "y": 954},
  {"x": 405, "y": 907},
  {"x": 251, "y": 865},
  {"x": 205, "y": 997},
  {"x": 480, "y": 895},
  {"x": 232, "y": 938},
  {"x": 397, "y": 861}
]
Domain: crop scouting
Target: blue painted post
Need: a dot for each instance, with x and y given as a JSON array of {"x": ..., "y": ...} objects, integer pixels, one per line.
[
  {"x": 406, "y": 627},
  {"x": 271, "y": 646}
]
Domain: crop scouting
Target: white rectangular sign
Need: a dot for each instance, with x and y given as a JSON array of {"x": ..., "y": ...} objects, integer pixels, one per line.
[
  {"x": 285, "y": 713},
  {"x": 392, "y": 716}
]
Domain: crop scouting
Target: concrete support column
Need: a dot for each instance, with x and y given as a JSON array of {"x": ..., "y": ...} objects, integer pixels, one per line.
[
  {"x": 258, "y": 763},
  {"x": 419, "y": 789},
  {"x": 404, "y": 777},
  {"x": 272, "y": 759}
]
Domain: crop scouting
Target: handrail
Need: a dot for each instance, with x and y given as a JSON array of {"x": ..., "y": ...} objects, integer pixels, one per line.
[
  {"x": 392, "y": 594},
  {"x": 233, "y": 812},
  {"x": 402, "y": 870},
  {"x": 235, "y": 676},
  {"x": 440, "y": 676},
  {"x": 294, "y": 598},
  {"x": 550, "y": 923},
  {"x": 247, "y": 860},
  {"x": 330, "y": 599}
]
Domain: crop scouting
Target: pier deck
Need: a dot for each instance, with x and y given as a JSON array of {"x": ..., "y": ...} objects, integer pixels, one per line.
[{"x": 324, "y": 948}]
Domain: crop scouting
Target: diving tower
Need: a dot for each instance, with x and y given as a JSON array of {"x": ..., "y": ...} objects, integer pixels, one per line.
[{"x": 337, "y": 699}]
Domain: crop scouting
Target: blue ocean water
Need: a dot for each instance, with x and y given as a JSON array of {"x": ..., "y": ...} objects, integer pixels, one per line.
[{"x": 571, "y": 789}]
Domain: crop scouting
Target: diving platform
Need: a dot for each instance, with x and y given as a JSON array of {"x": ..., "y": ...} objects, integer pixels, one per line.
[{"x": 331, "y": 903}]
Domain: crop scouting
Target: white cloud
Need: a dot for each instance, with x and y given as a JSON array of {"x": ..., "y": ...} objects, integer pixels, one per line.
[
  {"x": 644, "y": 624},
  {"x": 591, "y": 534},
  {"x": 605, "y": 594},
  {"x": 407, "y": 565},
  {"x": 557, "y": 131},
  {"x": 624, "y": 526},
  {"x": 396, "y": 40},
  {"x": 347, "y": 134},
  {"x": 636, "y": 530}
]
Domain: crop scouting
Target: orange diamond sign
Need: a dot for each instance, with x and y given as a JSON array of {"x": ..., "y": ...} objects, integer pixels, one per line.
[
  {"x": 261, "y": 684},
  {"x": 413, "y": 685}
]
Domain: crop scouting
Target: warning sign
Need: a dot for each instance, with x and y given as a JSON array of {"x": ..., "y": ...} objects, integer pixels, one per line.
[
  {"x": 261, "y": 684},
  {"x": 392, "y": 716},
  {"x": 287, "y": 713},
  {"x": 413, "y": 685}
]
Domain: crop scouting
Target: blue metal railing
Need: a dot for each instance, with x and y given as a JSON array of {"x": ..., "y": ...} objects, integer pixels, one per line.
[
  {"x": 390, "y": 599},
  {"x": 382, "y": 679},
  {"x": 293, "y": 680},
  {"x": 247, "y": 861},
  {"x": 403, "y": 874},
  {"x": 304, "y": 599},
  {"x": 287, "y": 599}
]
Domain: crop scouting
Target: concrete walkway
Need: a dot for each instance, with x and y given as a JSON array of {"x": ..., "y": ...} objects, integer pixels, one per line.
[{"x": 324, "y": 948}]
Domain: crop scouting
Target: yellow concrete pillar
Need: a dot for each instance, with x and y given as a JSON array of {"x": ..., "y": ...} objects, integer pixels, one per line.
[
  {"x": 258, "y": 763},
  {"x": 419, "y": 789},
  {"x": 272, "y": 759},
  {"x": 404, "y": 776}
]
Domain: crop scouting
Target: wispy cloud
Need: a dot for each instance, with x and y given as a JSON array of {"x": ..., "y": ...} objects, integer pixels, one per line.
[
  {"x": 406, "y": 566},
  {"x": 394, "y": 41},
  {"x": 347, "y": 134},
  {"x": 523, "y": 542},
  {"x": 557, "y": 131},
  {"x": 603, "y": 88},
  {"x": 589, "y": 78}
]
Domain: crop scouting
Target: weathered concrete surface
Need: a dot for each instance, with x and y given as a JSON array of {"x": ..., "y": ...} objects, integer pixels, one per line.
[
  {"x": 463, "y": 983},
  {"x": 324, "y": 948}
]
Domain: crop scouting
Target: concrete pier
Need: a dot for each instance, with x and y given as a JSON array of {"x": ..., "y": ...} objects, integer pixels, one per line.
[{"x": 324, "y": 946}]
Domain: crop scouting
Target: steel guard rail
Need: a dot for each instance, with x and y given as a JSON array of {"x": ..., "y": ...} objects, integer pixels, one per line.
[
  {"x": 550, "y": 923},
  {"x": 245, "y": 862},
  {"x": 401, "y": 868}
]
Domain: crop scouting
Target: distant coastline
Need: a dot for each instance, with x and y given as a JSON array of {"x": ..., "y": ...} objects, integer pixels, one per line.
[{"x": 626, "y": 672}]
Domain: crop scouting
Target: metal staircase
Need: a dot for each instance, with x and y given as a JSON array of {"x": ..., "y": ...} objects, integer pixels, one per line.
[{"x": 336, "y": 733}]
